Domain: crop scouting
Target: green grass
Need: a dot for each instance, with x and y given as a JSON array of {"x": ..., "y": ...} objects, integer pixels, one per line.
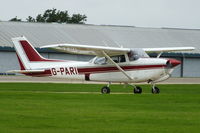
[{"x": 38, "y": 108}]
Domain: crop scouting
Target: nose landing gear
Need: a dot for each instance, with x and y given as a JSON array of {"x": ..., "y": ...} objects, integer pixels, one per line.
[{"x": 155, "y": 90}]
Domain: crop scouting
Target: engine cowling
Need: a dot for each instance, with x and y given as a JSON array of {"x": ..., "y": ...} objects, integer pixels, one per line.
[{"x": 172, "y": 63}]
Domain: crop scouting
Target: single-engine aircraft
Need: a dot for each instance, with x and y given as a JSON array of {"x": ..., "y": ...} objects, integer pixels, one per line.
[{"x": 111, "y": 64}]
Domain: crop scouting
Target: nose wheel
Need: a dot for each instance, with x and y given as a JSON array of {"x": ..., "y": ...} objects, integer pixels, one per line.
[{"x": 155, "y": 90}]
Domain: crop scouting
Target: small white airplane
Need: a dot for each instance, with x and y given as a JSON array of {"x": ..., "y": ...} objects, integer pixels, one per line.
[{"x": 111, "y": 64}]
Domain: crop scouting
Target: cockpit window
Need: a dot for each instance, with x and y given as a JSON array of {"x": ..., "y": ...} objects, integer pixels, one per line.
[
  {"x": 100, "y": 60},
  {"x": 104, "y": 60},
  {"x": 118, "y": 59},
  {"x": 135, "y": 54}
]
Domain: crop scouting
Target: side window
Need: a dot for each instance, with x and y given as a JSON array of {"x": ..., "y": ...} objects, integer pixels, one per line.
[
  {"x": 115, "y": 59},
  {"x": 104, "y": 60},
  {"x": 118, "y": 59},
  {"x": 122, "y": 58},
  {"x": 101, "y": 60}
]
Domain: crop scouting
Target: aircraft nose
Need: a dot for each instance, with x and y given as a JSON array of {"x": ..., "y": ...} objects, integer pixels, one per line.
[{"x": 173, "y": 62}]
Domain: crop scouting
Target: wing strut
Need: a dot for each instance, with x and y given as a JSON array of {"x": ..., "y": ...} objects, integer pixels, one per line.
[
  {"x": 158, "y": 56},
  {"x": 104, "y": 53}
]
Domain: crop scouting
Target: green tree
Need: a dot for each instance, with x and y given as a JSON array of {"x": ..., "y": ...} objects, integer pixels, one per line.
[
  {"x": 78, "y": 19},
  {"x": 40, "y": 18},
  {"x": 54, "y": 15},
  {"x": 15, "y": 19},
  {"x": 30, "y": 19},
  {"x": 63, "y": 17}
]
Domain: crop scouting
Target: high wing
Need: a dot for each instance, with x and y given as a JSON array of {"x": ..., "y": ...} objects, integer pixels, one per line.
[
  {"x": 97, "y": 50},
  {"x": 108, "y": 51},
  {"x": 168, "y": 49},
  {"x": 87, "y": 50}
]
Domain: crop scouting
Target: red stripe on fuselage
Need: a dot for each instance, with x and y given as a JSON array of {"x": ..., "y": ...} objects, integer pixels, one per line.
[
  {"x": 126, "y": 68},
  {"x": 88, "y": 71},
  {"x": 32, "y": 54}
]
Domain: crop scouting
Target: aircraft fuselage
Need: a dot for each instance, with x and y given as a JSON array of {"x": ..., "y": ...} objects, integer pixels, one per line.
[{"x": 141, "y": 70}]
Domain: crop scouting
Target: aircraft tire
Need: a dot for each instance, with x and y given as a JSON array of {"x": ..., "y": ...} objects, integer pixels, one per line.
[
  {"x": 137, "y": 90},
  {"x": 155, "y": 90},
  {"x": 105, "y": 90}
]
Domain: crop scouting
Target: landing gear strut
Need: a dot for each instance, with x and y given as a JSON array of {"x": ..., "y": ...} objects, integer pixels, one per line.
[
  {"x": 106, "y": 89},
  {"x": 155, "y": 90}
]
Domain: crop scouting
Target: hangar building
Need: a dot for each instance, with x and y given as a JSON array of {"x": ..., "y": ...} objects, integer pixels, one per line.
[{"x": 40, "y": 34}]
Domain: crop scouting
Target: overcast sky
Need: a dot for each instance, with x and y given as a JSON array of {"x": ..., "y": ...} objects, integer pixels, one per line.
[{"x": 140, "y": 13}]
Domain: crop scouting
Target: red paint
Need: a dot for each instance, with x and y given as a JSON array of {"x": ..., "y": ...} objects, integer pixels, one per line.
[
  {"x": 40, "y": 74},
  {"x": 20, "y": 63},
  {"x": 32, "y": 54},
  {"x": 174, "y": 62},
  {"x": 126, "y": 68}
]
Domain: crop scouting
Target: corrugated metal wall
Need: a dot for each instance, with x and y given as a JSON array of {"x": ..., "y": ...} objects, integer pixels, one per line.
[
  {"x": 8, "y": 61},
  {"x": 40, "y": 34},
  {"x": 191, "y": 67}
]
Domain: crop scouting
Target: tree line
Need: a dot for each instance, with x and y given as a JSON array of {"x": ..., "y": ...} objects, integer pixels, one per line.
[{"x": 57, "y": 16}]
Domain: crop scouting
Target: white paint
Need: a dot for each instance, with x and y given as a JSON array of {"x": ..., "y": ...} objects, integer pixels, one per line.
[{"x": 69, "y": 70}]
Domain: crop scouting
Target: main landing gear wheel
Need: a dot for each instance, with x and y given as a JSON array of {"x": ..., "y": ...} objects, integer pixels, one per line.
[
  {"x": 137, "y": 90},
  {"x": 105, "y": 90},
  {"x": 155, "y": 90}
]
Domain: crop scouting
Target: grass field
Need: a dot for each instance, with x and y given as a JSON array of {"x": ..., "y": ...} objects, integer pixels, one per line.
[{"x": 39, "y": 108}]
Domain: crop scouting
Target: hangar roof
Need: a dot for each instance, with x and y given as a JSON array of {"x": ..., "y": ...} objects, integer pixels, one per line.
[{"x": 40, "y": 34}]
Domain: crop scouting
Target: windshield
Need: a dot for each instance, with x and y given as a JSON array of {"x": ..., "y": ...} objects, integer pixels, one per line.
[
  {"x": 118, "y": 58},
  {"x": 136, "y": 54}
]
